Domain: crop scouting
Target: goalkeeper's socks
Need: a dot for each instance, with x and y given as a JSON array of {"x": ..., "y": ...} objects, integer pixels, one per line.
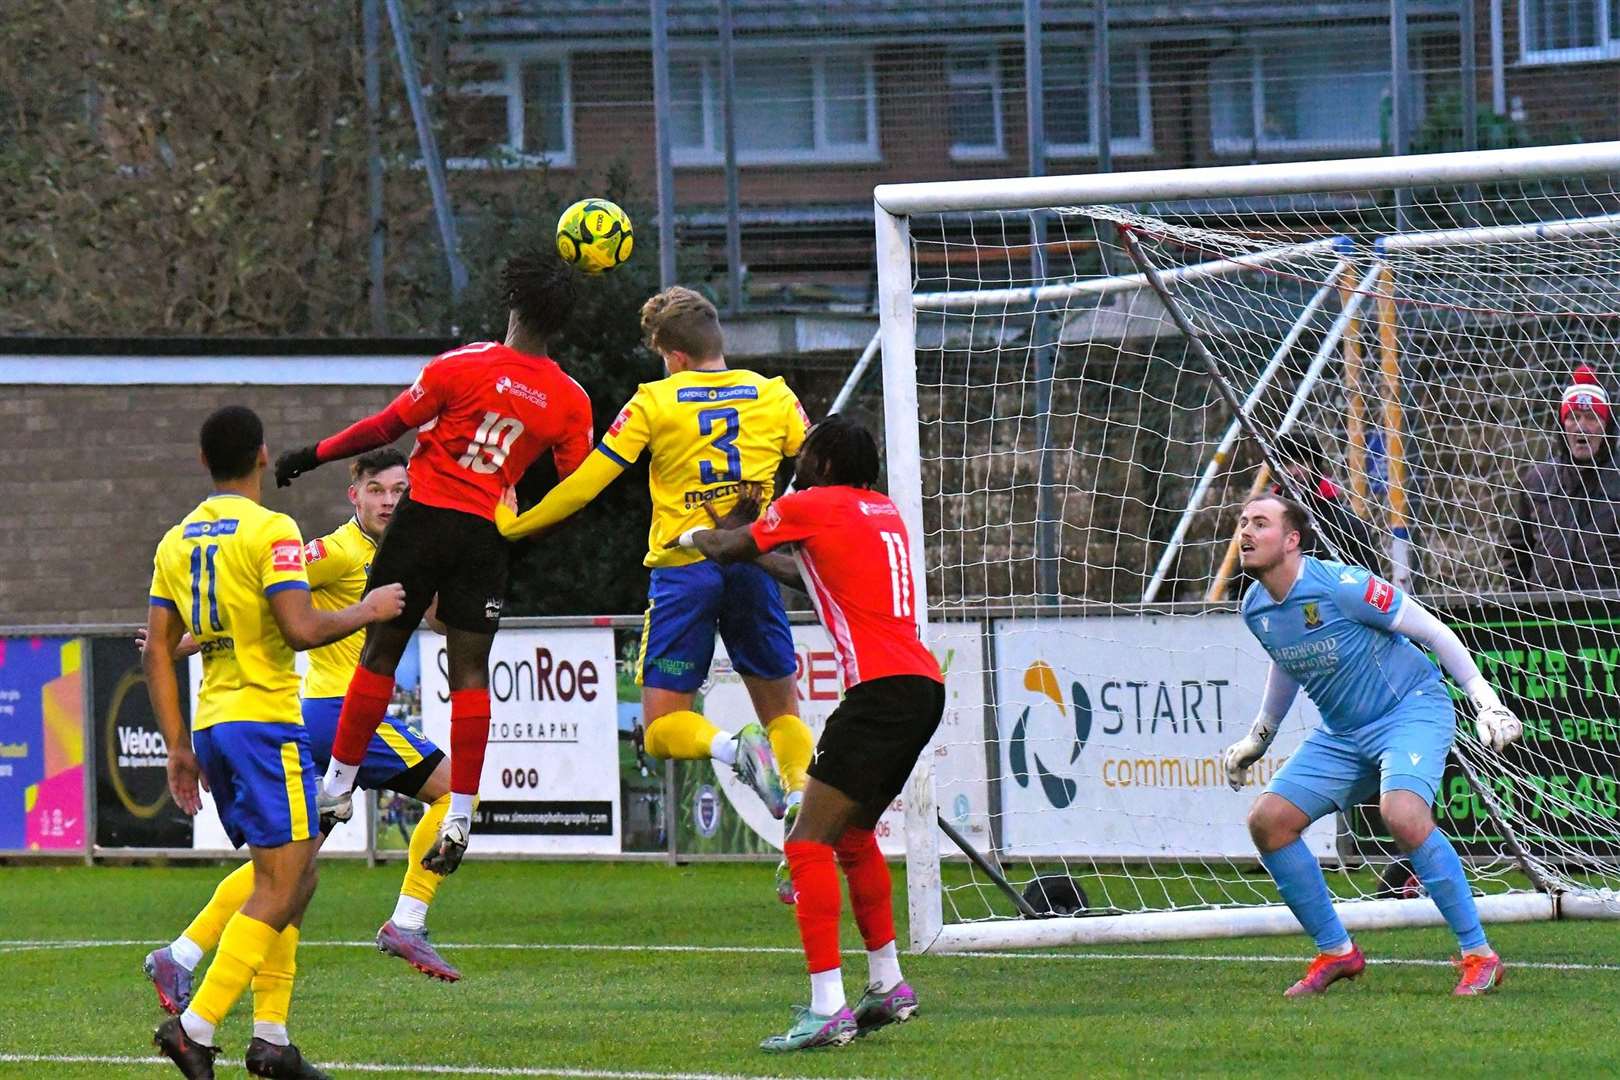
[
  {"x": 364, "y": 706},
  {"x": 871, "y": 892},
  {"x": 1436, "y": 864},
  {"x": 469, "y": 739},
  {"x": 815, "y": 880},
  {"x": 1299, "y": 880}
]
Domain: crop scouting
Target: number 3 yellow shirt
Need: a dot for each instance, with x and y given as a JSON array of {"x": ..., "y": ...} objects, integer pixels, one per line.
[
  {"x": 218, "y": 569},
  {"x": 708, "y": 431}
]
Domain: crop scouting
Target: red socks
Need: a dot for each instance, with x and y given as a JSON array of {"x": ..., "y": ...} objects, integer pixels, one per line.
[
  {"x": 364, "y": 707},
  {"x": 871, "y": 893},
  {"x": 815, "y": 879},
  {"x": 469, "y": 736}
]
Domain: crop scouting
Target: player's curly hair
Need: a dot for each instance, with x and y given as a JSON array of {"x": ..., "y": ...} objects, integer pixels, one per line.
[
  {"x": 230, "y": 438},
  {"x": 681, "y": 320},
  {"x": 540, "y": 287},
  {"x": 845, "y": 449},
  {"x": 373, "y": 462}
]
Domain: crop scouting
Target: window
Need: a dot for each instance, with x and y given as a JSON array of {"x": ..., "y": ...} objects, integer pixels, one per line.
[
  {"x": 1071, "y": 110},
  {"x": 1568, "y": 31},
  {"x": 510, "y": 111},
  {"x": 791, "y": 108},
  {"x": 1294, "y": 93},
  {"x": 973, "y": 80}
]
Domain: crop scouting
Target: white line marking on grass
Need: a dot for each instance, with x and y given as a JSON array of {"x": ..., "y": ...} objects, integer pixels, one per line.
[
  {"x": 404, "y": 1067},
  {"x": 721, "y": 950}
]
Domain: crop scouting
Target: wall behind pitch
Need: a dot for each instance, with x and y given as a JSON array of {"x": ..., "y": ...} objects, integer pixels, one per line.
[{"x": 92, "y": 476}]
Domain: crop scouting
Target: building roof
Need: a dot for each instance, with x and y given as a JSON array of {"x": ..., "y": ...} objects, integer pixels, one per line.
[{"x": 846, "y": 18}]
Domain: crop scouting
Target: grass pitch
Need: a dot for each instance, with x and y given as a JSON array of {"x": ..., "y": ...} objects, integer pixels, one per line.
[{"x": 644, "y": 970}]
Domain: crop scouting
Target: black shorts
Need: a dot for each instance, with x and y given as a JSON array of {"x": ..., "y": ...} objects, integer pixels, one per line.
[
  {"x": 874, "y": 737},
  {"x": 456, "y": 556}
]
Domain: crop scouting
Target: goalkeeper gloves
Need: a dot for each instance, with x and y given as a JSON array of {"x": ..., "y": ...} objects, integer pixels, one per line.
[
  {"x": 295, "y": 463},
  {"x": 1494, "y": 722},
  {"x": 1248, "y": 750}
]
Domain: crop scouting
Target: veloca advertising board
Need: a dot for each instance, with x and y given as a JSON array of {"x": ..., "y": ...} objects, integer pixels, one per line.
[
  {"x": 956, "y": 751},
  {"x": 551, "y": 774},
  {"x": 1111, "y": 733}
]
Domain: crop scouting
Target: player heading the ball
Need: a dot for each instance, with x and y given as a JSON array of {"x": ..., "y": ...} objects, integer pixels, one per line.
[
  {"x": 483, "y": 414},
  {"x": 1351, "y": 640},
  {"x": 713, "y": 432}
]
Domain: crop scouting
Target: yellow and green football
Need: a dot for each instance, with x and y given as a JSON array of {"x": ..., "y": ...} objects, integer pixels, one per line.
[{"x": 595, "y": 235}]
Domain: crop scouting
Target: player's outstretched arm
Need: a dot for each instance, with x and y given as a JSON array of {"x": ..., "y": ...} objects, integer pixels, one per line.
[
  {"x": 1279, "y": 698},
  {"x": 565, "y": 500},
  {"x": 721, "y": 545},
  {"x": 158, "y": 653},
  {"x": 1494, "y": 722},
  {"x": 305, "y": 627}
]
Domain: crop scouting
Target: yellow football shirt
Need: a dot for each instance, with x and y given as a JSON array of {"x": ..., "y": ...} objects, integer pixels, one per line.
[
  {"x": 337, "y": 564},
  {"x": 708, "y": 431},
  {"x": 217, "y": 569}
]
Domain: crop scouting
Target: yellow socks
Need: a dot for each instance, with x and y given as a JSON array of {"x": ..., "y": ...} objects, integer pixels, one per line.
[
  {"x": 420, "y": 885},
  {"x": 273, "y": 986},
  {"x": 792, "y": 745},
  {"x": 684, "y": 736},
  {"x": 228, "y": 898},
  {"x": 242, "y": 949}
]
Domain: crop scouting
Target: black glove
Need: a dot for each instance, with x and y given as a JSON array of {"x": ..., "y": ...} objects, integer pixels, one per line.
[{"x": 295, "y": 463}]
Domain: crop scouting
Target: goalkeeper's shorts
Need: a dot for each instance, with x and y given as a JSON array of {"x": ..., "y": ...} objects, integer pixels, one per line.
[
  {"x": 1405, "y": 749},
  {"x": 688, "y": 605}
]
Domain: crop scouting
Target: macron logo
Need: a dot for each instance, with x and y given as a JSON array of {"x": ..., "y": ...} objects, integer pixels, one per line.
[{"x": 1415, "y": 758}]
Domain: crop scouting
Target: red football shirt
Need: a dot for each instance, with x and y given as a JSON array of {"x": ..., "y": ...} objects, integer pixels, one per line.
[
  {"x": 483, "y": 414},
  {"x": 854, "y": 554}
]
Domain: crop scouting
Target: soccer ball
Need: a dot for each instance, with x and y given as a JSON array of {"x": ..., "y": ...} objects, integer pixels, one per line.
[{"x": 595, "y": 235}]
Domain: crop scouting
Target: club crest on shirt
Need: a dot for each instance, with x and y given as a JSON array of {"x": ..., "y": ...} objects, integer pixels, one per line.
[{"x": 1313, "y": 615}]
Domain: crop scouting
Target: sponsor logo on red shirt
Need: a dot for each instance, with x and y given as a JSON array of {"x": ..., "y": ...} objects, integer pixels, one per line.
[
  {"x": 417, "y": 390},
  {"x": 772, "y": 517},
  {"x": 1380, "y": 594},
  {"x": 507, "y": 385},
  {"x": 315, "y": 551}
]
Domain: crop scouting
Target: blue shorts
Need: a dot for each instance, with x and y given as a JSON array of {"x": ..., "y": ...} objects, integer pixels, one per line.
[
  {"x": 687, "y": 605},
  {"x": 262, "y": 780},
  {"x": 394, "y": 758},
  {"x": 1405, "y": 749}
]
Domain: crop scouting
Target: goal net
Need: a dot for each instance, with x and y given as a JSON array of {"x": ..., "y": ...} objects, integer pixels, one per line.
[{"x": 1399, "y": 335}]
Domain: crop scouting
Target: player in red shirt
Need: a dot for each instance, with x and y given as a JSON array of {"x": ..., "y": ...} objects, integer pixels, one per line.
[
  {"x": 483, "y": 414},
  {"x": 852, "y": 554}
]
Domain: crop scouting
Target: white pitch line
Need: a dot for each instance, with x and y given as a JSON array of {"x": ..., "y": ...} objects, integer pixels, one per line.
[
  {"x": 720, "y": 950},
  {"x": 405, "y": 1067}
]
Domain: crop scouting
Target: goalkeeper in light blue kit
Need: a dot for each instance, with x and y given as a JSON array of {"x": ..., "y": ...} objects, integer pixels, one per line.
[{"x": 1351, "y": 640}]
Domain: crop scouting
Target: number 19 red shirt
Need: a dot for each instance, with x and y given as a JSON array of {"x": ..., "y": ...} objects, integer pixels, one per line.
[
  {"x": 483, "y": 414},
  {"x": 855, "y": 557}
]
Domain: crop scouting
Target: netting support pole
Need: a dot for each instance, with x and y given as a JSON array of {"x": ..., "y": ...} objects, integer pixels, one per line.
[
  {"x": 1044, "y": 356},
  {"x": 1195, "y": 501},
  {"x": 1355, "y": 423},
  {"x": 1348, "y": 315},
  {"x": 663, "y": 142},
  {"x": 897, "y": 326},
  {"x": 1400, "y": 100},
  {"x": 371, "y": 35},
  {"x": 1389, "y": 348}
]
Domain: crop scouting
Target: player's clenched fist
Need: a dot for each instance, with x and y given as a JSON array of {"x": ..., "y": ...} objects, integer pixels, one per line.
[
  {"x": 295, "y": 463},
  {"x": 1497, "y": 727},
  {"x": 385, "y": 602}
]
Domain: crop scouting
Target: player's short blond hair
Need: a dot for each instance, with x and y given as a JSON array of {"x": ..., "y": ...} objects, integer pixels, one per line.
[{"x": 681, "y": 320}]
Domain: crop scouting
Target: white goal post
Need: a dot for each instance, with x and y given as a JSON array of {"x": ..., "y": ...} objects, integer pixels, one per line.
[{"x": 1069, "y": 476}]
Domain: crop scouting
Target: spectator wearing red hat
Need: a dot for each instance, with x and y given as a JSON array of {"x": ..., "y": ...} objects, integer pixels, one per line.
[{"x": 1566, "y": 534}]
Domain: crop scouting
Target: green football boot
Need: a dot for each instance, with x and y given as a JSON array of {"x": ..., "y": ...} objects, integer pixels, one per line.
[{"x": 812, "y": 1031}]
